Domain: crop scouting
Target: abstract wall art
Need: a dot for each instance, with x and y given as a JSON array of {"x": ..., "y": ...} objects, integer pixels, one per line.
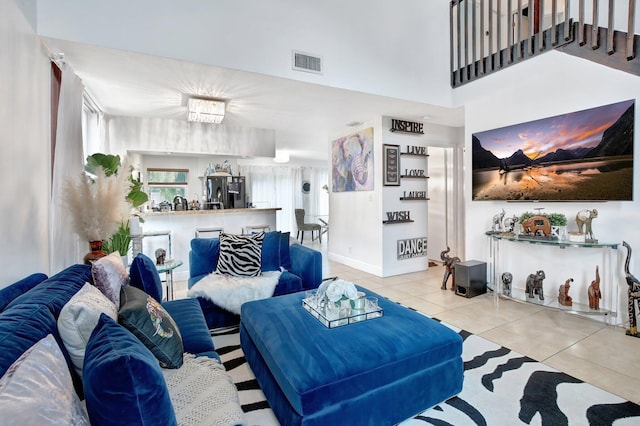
[{"x": 352, "y": 162}]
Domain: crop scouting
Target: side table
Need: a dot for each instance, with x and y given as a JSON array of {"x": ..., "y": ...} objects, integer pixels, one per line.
[{"x": 167, "y": 267}]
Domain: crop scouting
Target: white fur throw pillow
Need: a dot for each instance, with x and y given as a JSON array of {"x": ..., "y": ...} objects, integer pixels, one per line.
[{"x": 79, "y": 317}]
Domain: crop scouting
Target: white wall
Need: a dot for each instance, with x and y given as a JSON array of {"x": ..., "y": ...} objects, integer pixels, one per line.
[
  {"x": 357, "y": 236},
  {"x": 382, "y": 47},
  {"x": 24, "y": 147},
  {"x": 549, "y": 85}
]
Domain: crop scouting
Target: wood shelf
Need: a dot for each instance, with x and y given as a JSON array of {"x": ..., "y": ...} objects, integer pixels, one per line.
[
  {"x": 413, "y": 177},
  {"x": 387, "y": 222},
  {"x": 414, "y": 199},
  {"x": 414, "y": 155}
]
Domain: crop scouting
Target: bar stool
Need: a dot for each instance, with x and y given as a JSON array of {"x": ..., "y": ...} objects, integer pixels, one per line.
[
  {"x": 209, "y": 230},
  {"x": 250, "y": 229}
]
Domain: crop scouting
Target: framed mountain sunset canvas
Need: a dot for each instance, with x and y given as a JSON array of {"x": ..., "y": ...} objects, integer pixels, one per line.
[{"x": 579, "y": 156}]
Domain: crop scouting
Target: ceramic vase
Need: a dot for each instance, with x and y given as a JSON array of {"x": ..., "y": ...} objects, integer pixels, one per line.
[{"x": 95, "y": 253}]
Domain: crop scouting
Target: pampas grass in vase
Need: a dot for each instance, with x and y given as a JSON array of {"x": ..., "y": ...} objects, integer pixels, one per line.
[{"x": 98, "y": 206}]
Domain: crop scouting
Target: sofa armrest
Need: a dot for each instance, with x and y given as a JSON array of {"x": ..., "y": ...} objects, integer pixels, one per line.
[
  {"x": 307, "y": 264},
  {"x": 18, "y": 288},
  {"x": 188, "y": 316}
]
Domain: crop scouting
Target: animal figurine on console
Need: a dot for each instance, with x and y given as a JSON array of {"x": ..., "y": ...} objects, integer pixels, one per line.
[
  {"x": 594, "y": 292},
  {"x": 563, "y": 293},
  {"x": 510, "y": 223},
  {"x": 634, "y": 293},
  {"x": 537, "y": 225},
  {"x": 497, "y": 222},
  {"x": 583, "y": 219},
  {"x": 534, "y": 284},
  {"x": 449, "y": 268},
  {"x": 507, "y": 278}
]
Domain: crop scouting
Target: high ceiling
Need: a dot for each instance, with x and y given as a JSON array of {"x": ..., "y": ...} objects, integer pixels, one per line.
[{"x": 304, "y": 116}]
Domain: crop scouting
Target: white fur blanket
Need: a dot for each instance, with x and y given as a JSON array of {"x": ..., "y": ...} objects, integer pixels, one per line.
[{"x": 231, "y": 292}]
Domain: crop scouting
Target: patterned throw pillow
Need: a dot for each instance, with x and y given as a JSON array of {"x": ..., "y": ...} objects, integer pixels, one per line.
[
  {"x": 143, "y": 316},
  {"x": 109, "y": 275},
  {"x": 79, "y": 317},
  {"x": 37, "y": 389},
  {"x": 240, "y": 255}
]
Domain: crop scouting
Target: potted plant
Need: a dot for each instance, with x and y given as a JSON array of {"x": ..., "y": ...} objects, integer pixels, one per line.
[
  {"x": 97, "y": 205},
  {"x": 111, "y": 164}
]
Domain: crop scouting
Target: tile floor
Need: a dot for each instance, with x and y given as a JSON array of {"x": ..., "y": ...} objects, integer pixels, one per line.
[{"x": 592, "y": 351}]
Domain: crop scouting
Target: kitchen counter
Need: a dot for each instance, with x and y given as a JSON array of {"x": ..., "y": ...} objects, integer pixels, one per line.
[
  {"x": 183, "y": 225},
  {"x": 206, "y": 212}
]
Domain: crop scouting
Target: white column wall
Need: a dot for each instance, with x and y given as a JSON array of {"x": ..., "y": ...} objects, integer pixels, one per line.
[{"x": 25, "y": 147}]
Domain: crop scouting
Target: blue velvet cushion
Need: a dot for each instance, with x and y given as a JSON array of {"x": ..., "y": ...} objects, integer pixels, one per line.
[
  {"x": 203, "y": 257},
  {"x": 7, "y": 294},
  {"x": 21, "y": 327},
  {"x": 55, "y": 291},
  {"x": 285, "y": 257},
  {"x": 123, "y": 383},
  {"x": 152, "y": 325},
  {"x": 271, "y": 251},
  {"x": 143, "y": 274},
  {"x": 190, "y": 321}
]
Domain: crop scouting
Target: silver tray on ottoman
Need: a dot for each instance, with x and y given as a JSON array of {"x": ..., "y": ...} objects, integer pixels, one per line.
[{"x": 332, "y": 319}]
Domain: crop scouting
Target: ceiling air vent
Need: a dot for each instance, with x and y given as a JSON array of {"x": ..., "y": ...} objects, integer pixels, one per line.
[{"x": 307, "y": 63}]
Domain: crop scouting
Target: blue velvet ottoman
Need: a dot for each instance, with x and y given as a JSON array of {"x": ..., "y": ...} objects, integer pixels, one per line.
[{"x": 380, "y": 371}]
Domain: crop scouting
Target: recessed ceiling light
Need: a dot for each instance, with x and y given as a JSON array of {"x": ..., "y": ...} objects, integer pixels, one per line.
[{"x": 355, "y": 123}]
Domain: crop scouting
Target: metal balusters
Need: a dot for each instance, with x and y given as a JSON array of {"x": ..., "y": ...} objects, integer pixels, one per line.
[
  {"x": 510, "y": 30},
  {"x": 595, "y": 30},
  {"x": 451, "y": 54},
  {"x": 581, "y": 27},
  {"x": 531, "y": 27},
  {"x": 499, "y": 34},
  {"x": 567, "y": 34},
  {"x": 483, "y": 62},
  {"x": 610, "y": 47},
  {"x": 491, "y": 67},
  {"x": 474, "y": 41},
  {"x": 630, "y": 51},
  {"x": 519, "y": 32},
  {"x": 540, "y": 28},
  {"x": 554, "y": 31}
]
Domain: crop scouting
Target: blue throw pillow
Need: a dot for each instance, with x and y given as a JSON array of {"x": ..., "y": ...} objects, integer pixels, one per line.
[
  {"x": 271, "y": 251},
  {"x": 143, "y": 316},
  {"x": 143, "y": 274},
  {"x": 203, "y": 257},
  {"x": 285, "y": 257},
  {"x": 123, "y": 383}
]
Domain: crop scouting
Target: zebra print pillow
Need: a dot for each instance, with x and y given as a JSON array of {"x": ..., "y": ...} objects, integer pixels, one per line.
[{"x": 240, "y": 255}]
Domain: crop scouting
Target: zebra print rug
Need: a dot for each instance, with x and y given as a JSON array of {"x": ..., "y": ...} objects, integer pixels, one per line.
[{"x": 501, "y": 387}]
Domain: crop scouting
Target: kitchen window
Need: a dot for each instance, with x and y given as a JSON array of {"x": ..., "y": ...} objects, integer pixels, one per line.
[{"x": 166, "y": 184}]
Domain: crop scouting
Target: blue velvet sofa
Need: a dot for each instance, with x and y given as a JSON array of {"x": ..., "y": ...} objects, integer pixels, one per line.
[
  {"x": 302, "y": 270},
  {"x": 121, "y": 379}
]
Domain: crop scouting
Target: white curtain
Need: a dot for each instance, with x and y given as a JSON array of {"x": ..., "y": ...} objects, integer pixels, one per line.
[
  {"x": 281, "y": 186},
  {"x": 65, "y": 247}
]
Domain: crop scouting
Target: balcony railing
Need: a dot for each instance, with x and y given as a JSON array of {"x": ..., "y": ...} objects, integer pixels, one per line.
[{"x": 489, "y": 35}]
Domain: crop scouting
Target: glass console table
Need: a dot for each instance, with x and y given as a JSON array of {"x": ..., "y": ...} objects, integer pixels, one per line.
[{"x": 499, "y": 249}]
